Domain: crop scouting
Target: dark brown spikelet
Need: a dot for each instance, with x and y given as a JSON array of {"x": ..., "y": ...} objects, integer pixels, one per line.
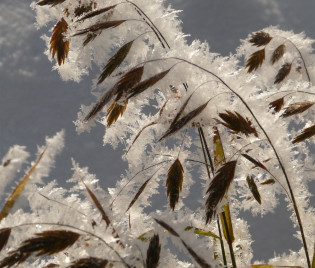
[
  {"x": 49, "y": 2},
  {"x": 142, "y": 86},
  {"x": 51, "y": 265},
  {"x": 297, "y": 108},
  {"x": 6, "y": 163},
  {"x": 89, "y": 37},
  {"x": 276, "y": 105},
  {"x": 237, "y": 123},
  {"x": 114, "y": 111},
  {"x": 306, "y": 134},
  {"x": 167, "y": 227},
  {"x": 81, "y": 9},
  {"x": 4, "y": 237},
  {"x": 141, "y": 189},
  {"x": 255, "y": 60},
  {"x": 218, "y": 187},
  {"x": 255, "y": 162},
  {"x": 59, "y": 46},
  {"x": 278, "y": 53},
  {"x": 260, "y": 39},
  {"x": 183, "y": 121},
  {"x": 283, "y": 73},
  {"x": 100, "y": 26},
  {"x": 97, "y": 12},
  {"x": 123, "y": 85},
  {"x": 268, "y": 181},
  {"x": 115, "y": 61},
  {"x": 89, "y": 263},
  {"x": 174, "y": 182},
  {"x": 253, "y": 188},
  {"x": 153, "y": 252}
]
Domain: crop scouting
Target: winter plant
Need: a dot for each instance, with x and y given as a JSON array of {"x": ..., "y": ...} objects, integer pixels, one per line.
[{"x": 239, "y": 129}]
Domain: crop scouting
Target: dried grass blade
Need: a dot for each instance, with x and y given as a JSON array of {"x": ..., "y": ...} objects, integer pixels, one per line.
[
  {"x": 283, "y": 73},
  {"x": 260, "y": 39},
  {"x": 18, "y": 190},
  {"x": 306, "y": 134},
  {"x": 59, "y": 46},
  {"x": 143, "y": 237},
  {"x": 138, "y": 193},
  {"x": 218, "y": 187},
  {"x": 182, "y": 122},
  {"x": 115, "y": 61},
  {"x": 142, "y": 86},
  {"x": 89, "y": 262},
  {"x": 167, "y": 227},
  {"x": 268, "y": 181},
  {"x": 174, "y": 182},
  {"x": 4, "y": 237},
  {"x": 96, "y": 12},
  {"x": 253, "y": 188},
  {"x": 50, "y": 2},
  {"x": 297, "y": 108},
  {"x": 202, "y": 232},
  {"x": 276, "y": 105},
  {"x": 237, "y": 123},
  {"x": 153, "y": 252},
  {"x": 114, "y": 111},
  {"x": 255, "y": 60},
  {"x": 255, "y": 162},
  {"x": 100, "y": 26},
  {"x": 227, "y": 213},
  {"x": 278, "y": 53}
]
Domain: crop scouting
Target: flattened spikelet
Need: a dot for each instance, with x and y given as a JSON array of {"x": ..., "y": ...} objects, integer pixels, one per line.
[
  {"x": 255, "y": 60},
  {"x": 297, "y": 108},
  {"x": 97, "y": 12},
  {"x": 260, "y": 39},
  {"x": 278, "y": 53},
  {"x": 114, "y": 111},
  {"x": 306, "y": 134},
  {"x": 100, "y": 26},
  {"x": 174, "y": 182},
  {"x": 276, "y": 105},
  {"x": 283, "y": 73},
  {"x": 81, "y": 9},
  {"x": 59, "y": 46},
  {"x": 89, "y": 263},
  {"x": 167, "y": 227},
  {"x": 115, "y": 61},
  {"x": 268, "y": 181},
  {"x": 181, "y": 110},
  {"x": 153, "y": 252},
  {"x": 253, "y": 188},
  {"x": 4, "y": 237},
  {"x": 141, "y": 189},
  {"x": 142, "y": 86},
  {"x": 182, "y": 122},
  {"x": 218, "y": 187},
  {"x": 49, "y": 2},
  {"x": 255, "y": 162},
  {"x": 237, "y": 123}
]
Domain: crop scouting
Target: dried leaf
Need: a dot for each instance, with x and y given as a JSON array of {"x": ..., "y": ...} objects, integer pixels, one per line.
[
  {"x": 142, "y": 86},
  {"x": 45, "y": 243},
  {"x": 218, "y": 187},
  {"x": 306, "y": 134},
  {"x": 202, "y": 232},
  {"x": 59, "y": 46},
  {"x": 297, "y": 108},
  {"x": 114, "y": 111},
  {"x": 138, "y": 193},
  {"x": 278, "y": 53},
  {"x": 97, "y": 12},
  {"x": 153, "y": 252},
  {"x": 100, "y": 26},
  {"x": 227, "y": 213},
  {"x": 123, "y": 85},
  {"x": 283, "y": 72},
  {"x": 18, "y": 190},
  {"x": 50, "y": 2},
  {"x": 255, "y": 60},
  {"x": 4, "y": 237},
  {"x": 174, "y": 182},
  {"x": 115, "y": 61},
  {"x": 182, "y": 122},
  {"x": 255, "y": 162},
  {"x": 268, "y": 181},
  {"x": 218, "y": 151},
  {"x": 237, "y": 123},
  {"x": 90, "y": 262},
  {"x": 196, "y": 257},
  {"x": 276, "y": 105},
  {"x": 253, "y": 188},
  {"x": 260, "y": 39}
]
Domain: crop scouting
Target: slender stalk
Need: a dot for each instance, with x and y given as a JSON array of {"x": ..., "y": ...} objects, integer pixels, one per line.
[{"x": 222, "y": 244}]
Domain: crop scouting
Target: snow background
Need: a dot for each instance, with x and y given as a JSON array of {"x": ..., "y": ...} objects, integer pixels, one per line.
[{"x": 35, "y": 102}]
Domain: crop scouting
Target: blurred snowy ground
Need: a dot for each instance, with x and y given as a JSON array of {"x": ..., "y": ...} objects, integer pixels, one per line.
[{"x": 35, "y": 103}]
